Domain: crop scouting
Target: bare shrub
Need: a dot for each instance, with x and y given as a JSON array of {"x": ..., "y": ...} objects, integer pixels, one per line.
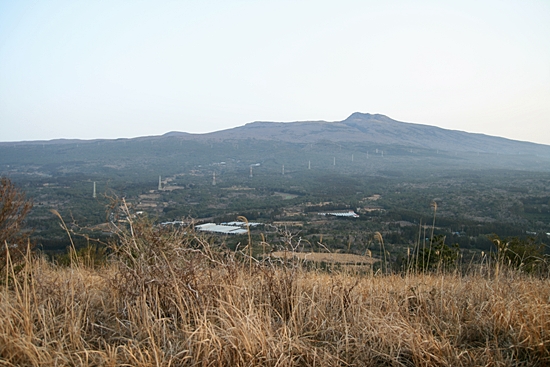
[{"x": 14, "y": 208}]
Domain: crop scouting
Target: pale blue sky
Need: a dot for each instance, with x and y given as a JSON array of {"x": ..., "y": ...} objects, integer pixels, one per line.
[{"x": 109, "y": 69}]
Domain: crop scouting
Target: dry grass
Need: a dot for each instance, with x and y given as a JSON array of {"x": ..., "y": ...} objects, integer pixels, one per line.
[
  {"x": 173, "y": 299},
  {"x": 327, "y": 257}
]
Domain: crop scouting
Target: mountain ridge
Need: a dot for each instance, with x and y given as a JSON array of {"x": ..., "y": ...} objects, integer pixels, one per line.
[
  {"x": 356, "y": 128},
  {"x": 381, "y": 129}
]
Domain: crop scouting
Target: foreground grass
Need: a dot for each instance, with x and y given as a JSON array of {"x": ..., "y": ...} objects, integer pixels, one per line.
[{"x": 170, "y": 300}]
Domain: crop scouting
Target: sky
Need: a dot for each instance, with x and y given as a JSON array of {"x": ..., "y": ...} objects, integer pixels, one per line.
[{"x": 121, "y": 69}]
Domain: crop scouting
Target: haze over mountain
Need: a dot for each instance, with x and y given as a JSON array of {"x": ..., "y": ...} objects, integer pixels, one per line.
[{"x": 357, "y": 128}]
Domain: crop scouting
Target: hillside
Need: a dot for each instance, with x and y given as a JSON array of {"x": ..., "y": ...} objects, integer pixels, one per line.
[
  {"x": 373, "y": 128},
  {"x": 405, "y": 147},
  {"x": 358, "y": 128}
]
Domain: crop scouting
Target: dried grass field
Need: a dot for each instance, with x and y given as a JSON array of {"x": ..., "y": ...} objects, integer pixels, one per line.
[
  {"x": 171, "y": 298},
  {"x": 318, "y": 257}
]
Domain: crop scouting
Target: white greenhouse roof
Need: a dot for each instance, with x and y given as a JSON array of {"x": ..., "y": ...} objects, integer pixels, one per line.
[
  {"x": 350, "y": 214},
  {"x": 216, "y": 228}
]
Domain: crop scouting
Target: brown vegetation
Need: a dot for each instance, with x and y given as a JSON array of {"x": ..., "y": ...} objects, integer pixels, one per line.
[
  {"x": 14, "y": 207},
  {"x": 169, "y": 297},
  {"x": 330, "y": 257}
]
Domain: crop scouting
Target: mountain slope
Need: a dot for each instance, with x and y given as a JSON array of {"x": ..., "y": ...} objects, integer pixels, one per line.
[
  {"x": 379, "y": 129},
  {"x": 358, "y": 128}
]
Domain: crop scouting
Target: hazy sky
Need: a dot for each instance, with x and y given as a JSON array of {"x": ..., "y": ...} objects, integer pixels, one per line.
[{"x": 109, "y": 69}]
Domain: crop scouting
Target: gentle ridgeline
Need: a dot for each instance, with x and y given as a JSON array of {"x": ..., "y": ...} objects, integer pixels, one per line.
[{"x": 168, "y": 297}]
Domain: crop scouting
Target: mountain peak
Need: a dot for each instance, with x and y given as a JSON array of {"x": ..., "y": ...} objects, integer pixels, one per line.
[{"x": 359, "y": 116}]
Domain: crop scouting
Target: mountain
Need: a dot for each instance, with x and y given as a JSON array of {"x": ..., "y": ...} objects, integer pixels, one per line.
[
  {"x": 404, "y": 147},
  {"x": 372, "y": 128}
]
